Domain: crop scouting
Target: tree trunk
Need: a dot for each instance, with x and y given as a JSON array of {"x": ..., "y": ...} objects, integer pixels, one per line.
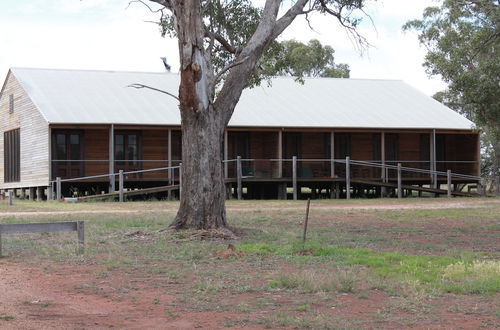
[{"x": 203, "y": 190}]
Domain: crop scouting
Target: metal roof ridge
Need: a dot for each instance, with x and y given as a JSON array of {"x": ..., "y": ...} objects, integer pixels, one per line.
[
  {"x": 91, "y": 70},
  {"x": 177, "y": 73},
  {"x": 334, "y": 78}
]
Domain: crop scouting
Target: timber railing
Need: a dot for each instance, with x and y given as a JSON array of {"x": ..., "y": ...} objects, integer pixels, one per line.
[
  {"x": 45, "y": 227},
  {"x": 294, "y": 170},
  {"x": 173, "y": 175},
  {"x": 347, "y": 170}
]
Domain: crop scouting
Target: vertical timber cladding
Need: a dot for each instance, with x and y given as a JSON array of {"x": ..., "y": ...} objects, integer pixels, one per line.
[
  {"x": 12, "y": 156},
  {"x": 315, "y": 145},
  {"x": 362, "y": 150},
  {"x": 155, "y": 153},
  {"x": 263, "y": 146}
]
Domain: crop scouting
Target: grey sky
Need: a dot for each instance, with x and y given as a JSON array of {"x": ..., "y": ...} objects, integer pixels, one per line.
[{"x": 110, "y": 35}]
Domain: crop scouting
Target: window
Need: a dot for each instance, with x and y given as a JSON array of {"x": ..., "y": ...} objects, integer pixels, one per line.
[
  {"x": 11, "y": 103},
  {"x": 128, "y": 152},
  {"x": 127, "y": 148},
  {"x": 12, "y": 156},
  {"x": 67, "y": 153}
]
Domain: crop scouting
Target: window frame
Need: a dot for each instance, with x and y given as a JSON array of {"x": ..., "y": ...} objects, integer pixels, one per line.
[{"x": 12, "y": 155}]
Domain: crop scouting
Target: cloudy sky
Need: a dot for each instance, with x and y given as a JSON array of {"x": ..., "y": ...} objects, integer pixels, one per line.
[{"x": 113, "y": 35}]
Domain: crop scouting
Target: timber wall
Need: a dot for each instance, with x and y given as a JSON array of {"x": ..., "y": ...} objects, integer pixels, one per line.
[{"x": 34, "y": 137}]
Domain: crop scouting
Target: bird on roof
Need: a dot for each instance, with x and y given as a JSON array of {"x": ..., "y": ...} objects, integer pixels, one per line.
[{"x": 164, "y": 60}]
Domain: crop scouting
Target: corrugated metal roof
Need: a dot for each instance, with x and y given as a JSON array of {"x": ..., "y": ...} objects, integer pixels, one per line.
[{"x": 102, "y": 97}]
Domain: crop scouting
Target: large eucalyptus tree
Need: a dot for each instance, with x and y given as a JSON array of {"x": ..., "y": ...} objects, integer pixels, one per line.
[
  {"x": 224, "y": 47},
  {"x": 462, "y": 38}
]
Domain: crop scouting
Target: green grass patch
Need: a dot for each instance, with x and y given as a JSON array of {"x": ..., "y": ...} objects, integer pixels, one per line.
[{"x": 424, "y": 270}]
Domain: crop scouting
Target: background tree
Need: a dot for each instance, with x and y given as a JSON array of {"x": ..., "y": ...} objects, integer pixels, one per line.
[
  {"x": 294, "y": 58},
  {"x": 462, "y": 38},
  {"x": 222, "y": 44}
]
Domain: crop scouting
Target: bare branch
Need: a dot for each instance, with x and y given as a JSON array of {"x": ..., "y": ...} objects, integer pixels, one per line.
[
  {"x": 165, "y": 3},
  {"x": 222, "y": 41},
  {"x": 351, "y": 28},
  {"x": 228, "y": 67},
  {"x": 288, "y": 17},
  {"x": 138, "y": 86},
  {"x": 145, "y": 4}
]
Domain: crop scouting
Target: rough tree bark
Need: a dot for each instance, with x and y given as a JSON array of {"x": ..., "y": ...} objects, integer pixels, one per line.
[
  {"x": 203, "y": 118},
  {"x": 203, "y": 193}
]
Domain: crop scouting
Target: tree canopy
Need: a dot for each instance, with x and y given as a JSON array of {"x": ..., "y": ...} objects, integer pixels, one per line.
[
  {"x": 229, "y": 25},
  {"x": 462, "y": 38},
  {"x": 299, "y": 60}
]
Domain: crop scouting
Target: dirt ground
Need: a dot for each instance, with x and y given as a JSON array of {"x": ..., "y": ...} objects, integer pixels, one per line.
[
  {"x": 58, "y": 296},
  {"x": 58, "y": 300}
]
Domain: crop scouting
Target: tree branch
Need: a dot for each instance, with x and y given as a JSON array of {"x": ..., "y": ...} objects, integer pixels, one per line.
[
  {"x": 228, "y": 67},
  {"x": 138, "y": 86},
  {"x": 222, "y": 41},
  {"x": 288, "y": 17},
  {"x": 165, "y": 3},
  {"x": 351, "y": 28}
]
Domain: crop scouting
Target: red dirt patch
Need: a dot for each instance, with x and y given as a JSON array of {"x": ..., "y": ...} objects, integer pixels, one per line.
[{"x": 63, "y": 299}]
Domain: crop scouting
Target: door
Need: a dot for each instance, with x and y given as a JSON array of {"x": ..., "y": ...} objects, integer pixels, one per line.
[
  {"x": 128, "y": 152},
  {"x": 67, "y": 154}
]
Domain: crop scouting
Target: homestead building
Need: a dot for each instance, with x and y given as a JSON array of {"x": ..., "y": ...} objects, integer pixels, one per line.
[{"x": 75, "y": 123}]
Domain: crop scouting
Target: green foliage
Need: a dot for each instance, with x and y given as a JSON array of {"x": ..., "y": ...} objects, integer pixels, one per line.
[
  {"x": 294, "y": 58},
  {"x": 230, "y": 24},
  {"x": 462, "y": 38}
]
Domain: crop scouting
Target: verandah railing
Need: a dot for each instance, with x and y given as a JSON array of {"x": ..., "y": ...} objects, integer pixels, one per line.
[
  {"x": 307, "y": 169},
  {"x": 171, "y": 178}
]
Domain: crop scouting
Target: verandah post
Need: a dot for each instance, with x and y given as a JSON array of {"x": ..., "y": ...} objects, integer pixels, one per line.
[
  {"x": 332, "y": 154},
  {"x": 294, "y": 177},
  {"x": 120, "y": 185},
  {"x": 58, "y": 188},
  {"x": 180, "y": 181},
  {"x": 226, "y": 148},
  {"x": 238, "y": 177},
  {"x": 448, "y": 181},
  {"x": 50, "y": 191},
  {"x": 400, "y": 193},
  {"x": 348, "y": 177},
  {"x": 111, "y": 158}
]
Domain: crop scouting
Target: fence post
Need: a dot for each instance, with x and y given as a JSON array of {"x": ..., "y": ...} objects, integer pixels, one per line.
[
  {"x": 10, "y": 196},
  {"x": 239, "y": 174},
  {"x": 180, "y": 181},
  {"x": 384, "y": 179},
  {"x": 348, "y": 177},
  {"x": 400, "y": 192},
  {"x": 120, "y": 185},
  {"x": 58, "y": 188},
  {"x": 448, "y": 181},
  {"x": 80, "y": 230},
  {"x": 294, "y": 177}
]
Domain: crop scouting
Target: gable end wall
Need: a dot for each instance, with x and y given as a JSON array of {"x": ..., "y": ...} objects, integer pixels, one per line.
[{"x": 34, "y": 136}]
